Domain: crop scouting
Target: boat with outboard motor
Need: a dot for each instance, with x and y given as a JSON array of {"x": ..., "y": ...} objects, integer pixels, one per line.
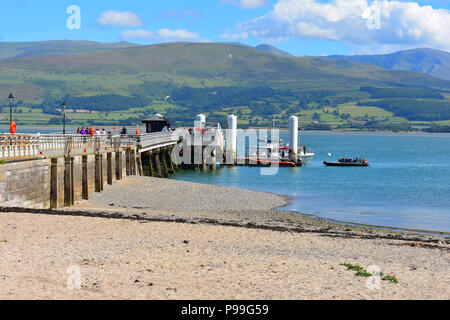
[{"x": 347, "y": 162}]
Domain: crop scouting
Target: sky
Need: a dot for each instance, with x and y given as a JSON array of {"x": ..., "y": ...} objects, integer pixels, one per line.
[{"x": 300, "y": 27}]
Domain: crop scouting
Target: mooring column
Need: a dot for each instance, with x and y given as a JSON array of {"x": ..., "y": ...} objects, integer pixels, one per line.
[
  {"x": 98, "y": 173},
  {"x": 204, "y": 160},
  {"x": 213, "y": 160},
  {"x": 57, "y": 183},
  {"x": 231, "y": 140},
  {"x": 293, "y": 138}
]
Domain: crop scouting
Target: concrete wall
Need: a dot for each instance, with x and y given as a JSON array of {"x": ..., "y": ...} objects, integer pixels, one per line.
[
  {"x": 25, "y": 184},
  {"x": 104, "y": 169},
  {"x": 91, "y": 173},
  {"x": 124, "y": 162},
  {"x": 58, "y": 182},
  {"x": 77, "y": 178}
]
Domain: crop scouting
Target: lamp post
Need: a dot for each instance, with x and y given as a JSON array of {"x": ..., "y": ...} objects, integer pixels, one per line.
[
  {"x": 11, "y": 101},
  {"x": 64, "y": 116}
]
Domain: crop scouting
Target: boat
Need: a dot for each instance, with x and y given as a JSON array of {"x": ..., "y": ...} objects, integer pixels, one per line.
[
  {"x": 347, "y": 162},
  {"x": 305, "y": 157},
  {"x": 272, "y": 163},
  {"x": 278, "y": 154}
]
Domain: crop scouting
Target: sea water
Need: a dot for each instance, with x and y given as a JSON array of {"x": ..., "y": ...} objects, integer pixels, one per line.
[{"x": 406, "y": 186}]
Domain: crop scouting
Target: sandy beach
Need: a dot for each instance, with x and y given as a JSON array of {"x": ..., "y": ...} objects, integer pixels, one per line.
[{"x": 166, "y": 239}]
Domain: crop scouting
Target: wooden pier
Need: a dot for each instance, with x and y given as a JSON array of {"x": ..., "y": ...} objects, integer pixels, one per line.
[{"x": 54, "y": 171}]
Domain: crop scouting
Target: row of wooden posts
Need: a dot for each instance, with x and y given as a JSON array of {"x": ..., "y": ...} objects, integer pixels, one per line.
[{"x": 74, "y": 178}]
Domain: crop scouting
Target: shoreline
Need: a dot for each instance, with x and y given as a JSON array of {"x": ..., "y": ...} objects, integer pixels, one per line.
[
  {"x": 276, "y": 217},
  {"x": 289, "y": 199},
  {"x": 150, "y": 238}
]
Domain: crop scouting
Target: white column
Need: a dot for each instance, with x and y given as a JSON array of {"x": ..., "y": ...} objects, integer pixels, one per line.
[
  {"x": 231, "y": 139},
  {"x": 293, "y": 135},
  {"x": 200, "y": 121}
]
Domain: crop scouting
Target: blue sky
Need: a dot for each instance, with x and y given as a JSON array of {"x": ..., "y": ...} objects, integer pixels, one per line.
[{"x": 301, "y": 27}]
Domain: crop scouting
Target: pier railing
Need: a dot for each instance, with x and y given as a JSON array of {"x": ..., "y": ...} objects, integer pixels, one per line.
[
  {"x": 17, "y": 147},
  {"x": 21, "y": 146}
]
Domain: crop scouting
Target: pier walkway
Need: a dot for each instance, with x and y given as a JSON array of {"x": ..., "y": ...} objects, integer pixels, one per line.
[{"x": 32, "y": 146}]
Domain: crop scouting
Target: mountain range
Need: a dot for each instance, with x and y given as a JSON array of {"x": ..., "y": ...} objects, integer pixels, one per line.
[
  {"x": 57, "y": 47},
  {"x": 428, "y": 61},
  {"x": 182, "y": 79}
]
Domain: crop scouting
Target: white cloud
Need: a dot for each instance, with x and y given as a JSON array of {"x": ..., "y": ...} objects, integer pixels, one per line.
[
  {"x": 247, "y": 4},
  {"x": 122, "y": 19},
  {"x": 162, "y": 35},
  {"x": 381, "y": 24}
]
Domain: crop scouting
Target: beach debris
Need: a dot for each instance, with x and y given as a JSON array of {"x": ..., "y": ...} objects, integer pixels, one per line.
[
  {"x": 171, "y": 289},
  {"x": 150, "y": 284},
  {"x": 186, "y": 241},
  {"x": 415, "y": 244}
]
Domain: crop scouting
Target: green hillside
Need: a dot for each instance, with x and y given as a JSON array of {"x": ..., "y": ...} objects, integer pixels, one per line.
[
  {"x": 10, "y": 50},
  {"x": 121, "y": 86}
]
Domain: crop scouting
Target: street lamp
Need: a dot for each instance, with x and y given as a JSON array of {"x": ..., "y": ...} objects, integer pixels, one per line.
[
  {"x": 64, "y": 116},
  {"x": 11, "y": 101}
]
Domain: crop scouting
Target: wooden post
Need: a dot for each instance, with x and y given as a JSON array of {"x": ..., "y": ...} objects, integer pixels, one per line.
[
  {"x": 157, "y": 162},
  {"x": 139, "y": 163},
  {"x": 151, "y": 165},
  {"x": 128, "y": 162},
  {"x": 98, "y": 173},
  {"x": 147, "y": 166},
  {"x": 85, "y": 181},
  {"x": 133, "y": 162},
  {"x": 162, "y": 158},
  {"x": 68, "y": 182},
  {"x": 119, "y": 165},
  {"x": 169, "y": 164},
  {"x": 109, "y": 169}
]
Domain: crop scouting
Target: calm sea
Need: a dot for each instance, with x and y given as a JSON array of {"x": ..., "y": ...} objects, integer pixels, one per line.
[{"x": 406, "y": 186}]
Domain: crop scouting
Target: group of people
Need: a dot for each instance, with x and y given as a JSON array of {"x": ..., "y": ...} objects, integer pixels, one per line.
[
  {"x": 91, "y": 131},
  {"x": 350, "y": 160},
  {"x": 97, "y": 132}
]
